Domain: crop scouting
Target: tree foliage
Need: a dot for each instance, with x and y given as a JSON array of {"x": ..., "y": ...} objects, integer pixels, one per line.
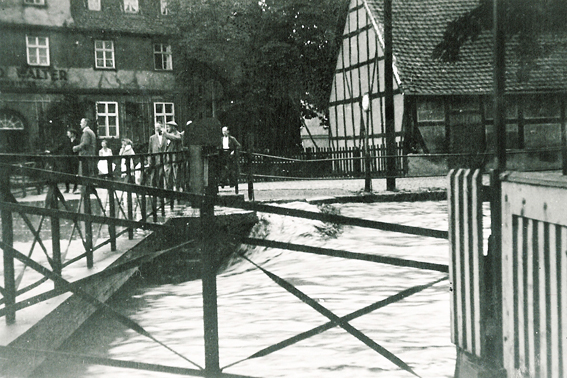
[
  {"x": 527, "y": 20},
  {"x": 276, "y": 59}
]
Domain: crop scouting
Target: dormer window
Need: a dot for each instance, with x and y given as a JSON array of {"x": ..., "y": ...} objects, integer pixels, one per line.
[
  {"x": 34, "y": 2},
  {"x": 131, "y": 6},
  {"x": 94, "y": 5}
]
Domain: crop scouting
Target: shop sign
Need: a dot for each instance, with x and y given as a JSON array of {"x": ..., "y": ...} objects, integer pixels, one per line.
[{"x": 29, "y": 76}]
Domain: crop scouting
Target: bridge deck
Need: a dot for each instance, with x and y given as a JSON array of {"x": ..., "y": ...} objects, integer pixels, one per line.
[{"x": 47, "y": 324}]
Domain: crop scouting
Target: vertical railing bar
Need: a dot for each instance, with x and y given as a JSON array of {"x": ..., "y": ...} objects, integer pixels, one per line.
[
  {"x": 478, "y": 266},
  {"x": 111, "y": 206},
  {"x": 162, "y": 158},
  {"x": 466, "y": 261},
  {"x": 55, "y": 233},
  {"x": 8, "y": 239},
  {"x": 129, "y": 162},
  {"x": 86, "y": 194},
  {"x": 156, "y": 181},
  {"x": 210, "y": 315},
  {"x": 250, "y": 167},
  {"x": 451, "y": 187}
]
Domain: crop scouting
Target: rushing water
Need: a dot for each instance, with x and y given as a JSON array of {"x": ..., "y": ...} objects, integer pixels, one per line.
[{"x": 255, "y": 313}]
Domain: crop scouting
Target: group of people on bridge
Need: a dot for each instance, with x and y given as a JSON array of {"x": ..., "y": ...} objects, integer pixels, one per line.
[{"x": 166, "y": 166}]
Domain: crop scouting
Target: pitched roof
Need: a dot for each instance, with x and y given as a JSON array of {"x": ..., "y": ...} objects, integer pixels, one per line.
[
  {"x": 112, "y": 18},
  {"x": 418, "y": 26}
]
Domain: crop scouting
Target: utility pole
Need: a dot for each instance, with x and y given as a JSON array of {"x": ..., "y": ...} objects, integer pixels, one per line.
[
  {"x": 389, "y": 100},
  {"x": 494, "y": 323}
]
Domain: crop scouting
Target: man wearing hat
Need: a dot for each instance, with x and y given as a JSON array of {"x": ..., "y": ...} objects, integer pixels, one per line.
[{"x": 173, "y": 143}]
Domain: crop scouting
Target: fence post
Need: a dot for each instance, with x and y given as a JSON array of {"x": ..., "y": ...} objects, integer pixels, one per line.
[
  {"x": 250, "y": 167},
  {"x": 130, "y": 208},
  {"x": 86, "y": 194},
  {"x": 8, "y": 240},
  {"x": 208, "y": 272}
]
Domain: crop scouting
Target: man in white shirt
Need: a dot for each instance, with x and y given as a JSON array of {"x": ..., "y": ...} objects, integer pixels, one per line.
[
  {"x": 229, "y": 167},
  {"x": 155, "y": 146}
]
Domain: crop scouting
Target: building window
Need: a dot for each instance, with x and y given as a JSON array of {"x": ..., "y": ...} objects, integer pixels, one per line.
[
  {"x": 34, "y": 2},
  {"x": 164, "y": 112},
  {"x": 104, "y": 54},
  {"x": 38, "y": 51},
  {"x": 162, "y": 57},
  {"x": 107, "y": 119},
  {"x": 94, "y": 5},
  {"x": 430, "y": 110},
  {"x": 164, "y": 8},
  {"x": 131, "y": 6}
]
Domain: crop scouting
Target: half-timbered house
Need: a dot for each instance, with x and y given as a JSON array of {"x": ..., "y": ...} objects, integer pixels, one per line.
[{"x": 445, "y": 107}]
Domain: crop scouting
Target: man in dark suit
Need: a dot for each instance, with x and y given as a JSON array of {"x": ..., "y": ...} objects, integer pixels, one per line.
[
  {"x": 86, "y": 147},
  {"x": 156, "y": 145},
  {"x": 174, "y": 143},
  {"x": 229, "y": 159}
]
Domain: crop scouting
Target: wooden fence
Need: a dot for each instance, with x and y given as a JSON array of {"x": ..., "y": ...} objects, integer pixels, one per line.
[
  {"x": 325, "y": 163},
  {"x": 467, "y": 262},
  {"x": 534, "y": 276}
]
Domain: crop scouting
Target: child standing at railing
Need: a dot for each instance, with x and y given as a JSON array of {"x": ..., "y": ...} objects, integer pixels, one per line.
[
  {"x": 128, "y": 150},
  {"x": 103, "y": 164}
]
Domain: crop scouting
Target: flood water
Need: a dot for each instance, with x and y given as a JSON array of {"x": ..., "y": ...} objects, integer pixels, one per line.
[{"x": 254, "y": 312}]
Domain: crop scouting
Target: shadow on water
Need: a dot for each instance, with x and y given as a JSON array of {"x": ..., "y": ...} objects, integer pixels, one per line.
[{"x": 255, "y": 313}]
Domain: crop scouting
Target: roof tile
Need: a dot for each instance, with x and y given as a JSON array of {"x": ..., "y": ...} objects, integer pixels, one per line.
[{"x": 418, "y": 26}]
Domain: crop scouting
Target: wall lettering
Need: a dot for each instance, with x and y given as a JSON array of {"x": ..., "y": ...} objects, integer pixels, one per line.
[{"x": 41, "y": 73}]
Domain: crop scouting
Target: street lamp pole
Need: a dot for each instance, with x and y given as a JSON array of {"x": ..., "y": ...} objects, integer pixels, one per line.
[
  {"x": 366, "y": 108},
  {"x": 389, "y": 99}
]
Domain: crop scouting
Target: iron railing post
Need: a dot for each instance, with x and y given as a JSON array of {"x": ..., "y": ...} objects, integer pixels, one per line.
[
  {"x": 250, "y": 167},
  {"x": 8, "y": 240},
  {"x": 155, "y": 176},
  {"x": 208, "y": 272},
  {"x": 86, "y": 193},
  {"x": 163, "y": 184},
  {"x": 111, "y": 208},
  {"x": 55, "y": 232},
  {"x": 130, "y": 208}
]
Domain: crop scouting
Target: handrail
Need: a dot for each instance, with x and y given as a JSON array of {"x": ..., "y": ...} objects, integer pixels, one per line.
[{"x": 207, "y": 203}]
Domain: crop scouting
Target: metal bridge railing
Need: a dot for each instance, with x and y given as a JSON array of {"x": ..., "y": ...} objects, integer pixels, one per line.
[{"x": 206, "y": 238}]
